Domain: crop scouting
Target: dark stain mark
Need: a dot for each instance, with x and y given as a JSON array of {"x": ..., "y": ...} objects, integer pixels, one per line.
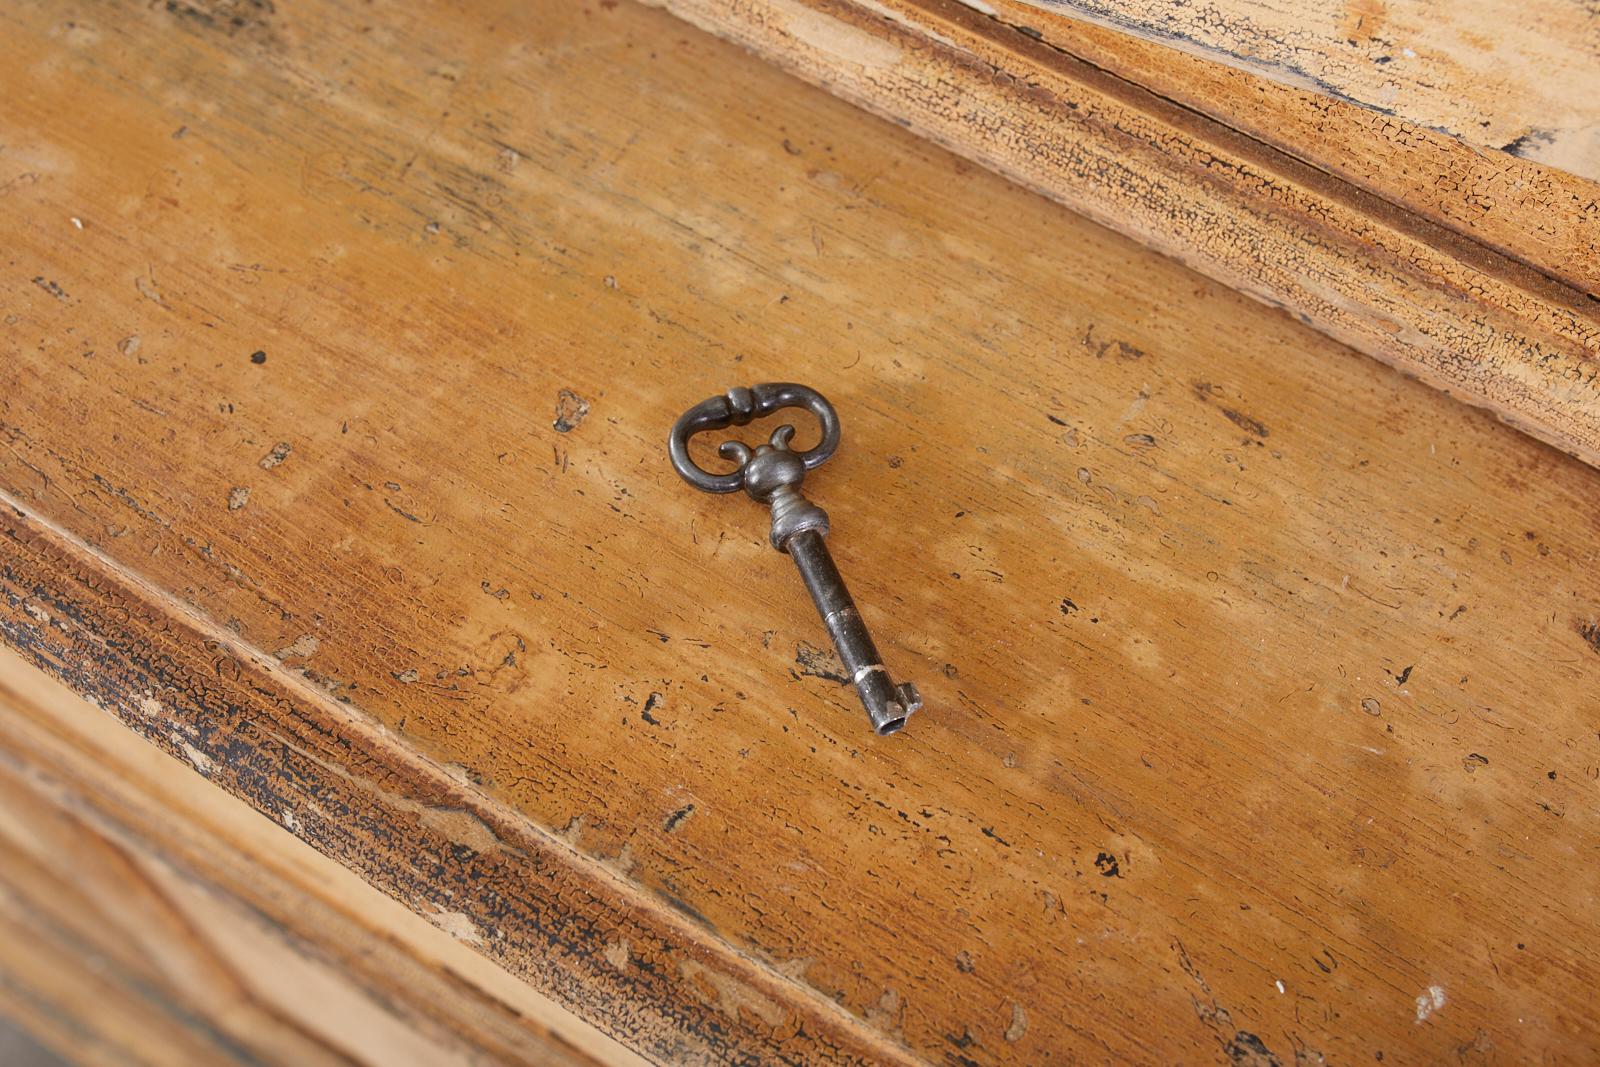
[
  {"x": 1528, "y": 142},
  {"x": 1205, "y": 391},
  {"x": 683, "y": 907},
  {"x": 1246, "y": 1048},
  {"x": 1457, "y": 613},
  {"x": 229, "y": 16},
  {"x": 820, "y": 663},
  {"x": 258, "y": 357},
  {"x": 1052, "y": 418},
  {"x": 570, "y": 411},
  {"x": 50, "y": 287},
  {"x": 676, "y": 818},
  {"x": 1590, "y": 632},
  {"x": 1245, "y": 422},
  {"x": 1107, "y": 865},
  {"x": 650, "y": 703},
  {"x": 1101, "y": 348},
  {"x": 988, "y": 831},
  {"x": 1472, "y": 761},
  {"x": 966, "y": 1040},
  {"x": 1400, "y": 679},
  {"x": 403, "y": 514},
  {"x": 1067, "y": 606}
]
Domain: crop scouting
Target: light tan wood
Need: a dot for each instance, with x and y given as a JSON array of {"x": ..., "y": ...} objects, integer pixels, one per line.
[
  {"x": 1519, "y": 76},
  {"x": 151, "y": 918},
  {"x": 1501, "y": 331},
  {"x": 1249, "y": 661}
]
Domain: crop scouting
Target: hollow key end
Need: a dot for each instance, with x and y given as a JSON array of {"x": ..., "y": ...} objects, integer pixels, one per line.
[{"x": 894, "y": 715}]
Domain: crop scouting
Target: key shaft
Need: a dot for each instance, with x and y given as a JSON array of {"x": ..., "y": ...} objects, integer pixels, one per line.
[{"x": 888, "y": 705}]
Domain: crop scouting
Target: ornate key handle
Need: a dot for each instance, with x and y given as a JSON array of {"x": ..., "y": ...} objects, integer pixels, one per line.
[
  {"x": 740, "y": 408},
  {"x": 772, "y": 473}
]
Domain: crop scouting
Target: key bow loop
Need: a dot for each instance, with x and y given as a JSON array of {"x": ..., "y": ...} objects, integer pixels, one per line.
[{"x": 740, "y": 407}]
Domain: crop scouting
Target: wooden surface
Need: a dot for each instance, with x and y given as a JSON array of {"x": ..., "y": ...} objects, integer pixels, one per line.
[
  {"x": 1519, "y": 76},
  {"x": 1517, "y": 332},
  {"x": 1534, "y": 214},
  {"x": 1261, "y": 679},
  {"x": 146, "y": 917}
]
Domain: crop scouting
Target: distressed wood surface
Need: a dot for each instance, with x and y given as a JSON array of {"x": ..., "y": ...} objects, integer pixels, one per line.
[
  {"x": 1538, "y": 215},
  {"x": 1517, "y": 76},
  {"x": 1261, "y": 679},
  {"x": 147, "y": 917},
  {"x": 1499, "y": 330}
]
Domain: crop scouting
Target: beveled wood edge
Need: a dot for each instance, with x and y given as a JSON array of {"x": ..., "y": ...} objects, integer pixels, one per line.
[
  {"x": 638, "y": 967},
  {"x": 127, "y": 799},
  {"x": 1459, "y": 314},
  {"x": 1363, "y": 62}
]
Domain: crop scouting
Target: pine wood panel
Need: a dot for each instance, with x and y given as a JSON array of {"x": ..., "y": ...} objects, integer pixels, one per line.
[
  {"x": 1260, "y": 678},
  {"x": 1502, "y": 331},
  {"x": 150, "y": 918},
  {"x": 1520, "y": 77}
]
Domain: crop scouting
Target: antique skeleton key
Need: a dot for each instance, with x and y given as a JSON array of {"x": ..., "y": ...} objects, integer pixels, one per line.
[{"x": 772, "y": 473}]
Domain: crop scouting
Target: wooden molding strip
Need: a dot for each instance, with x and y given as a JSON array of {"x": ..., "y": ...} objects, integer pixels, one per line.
[
  {"x": 575, "y": 931},
  {"x": 1546, "y": 218},
  {"x": 1460, "y": 314},
  {"x": 148, "y": 917},
  {"x": 1520, "y": 77}
]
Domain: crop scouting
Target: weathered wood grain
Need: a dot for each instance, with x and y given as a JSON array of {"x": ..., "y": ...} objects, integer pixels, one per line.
[
  {"x": 1261, "y": 679},
  {"x": 574, "y": 930},
  {"x": 1519, "y": 76},
  {"x": 1394, "y": 283},
  {"x": 1534, "y": 214},
  {"x": 148, "y": 918}
]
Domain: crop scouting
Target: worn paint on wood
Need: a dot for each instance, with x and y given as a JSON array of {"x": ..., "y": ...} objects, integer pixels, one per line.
[
  {"x": 1261, "y": 680},
  {"x": 151, "y": 918},
  {"x": 1534, "y": 214},
  {"x": 1517, "y": 76}
]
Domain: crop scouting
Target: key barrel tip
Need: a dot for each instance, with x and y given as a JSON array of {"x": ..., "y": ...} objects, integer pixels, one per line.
[{"x": 895, "y": 714}]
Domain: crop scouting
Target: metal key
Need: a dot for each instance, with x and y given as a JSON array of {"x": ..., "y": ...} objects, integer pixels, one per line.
[{"x": 772, "y": 473}]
